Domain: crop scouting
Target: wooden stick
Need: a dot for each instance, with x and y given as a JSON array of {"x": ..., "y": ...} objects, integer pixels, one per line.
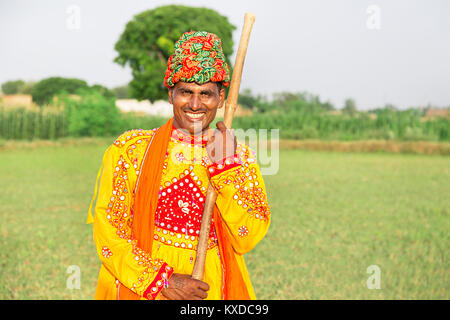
[{"x": 230, "y": 107}]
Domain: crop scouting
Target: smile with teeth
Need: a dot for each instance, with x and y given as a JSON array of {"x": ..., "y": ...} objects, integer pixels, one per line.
[{"x": 195, "y": 115}]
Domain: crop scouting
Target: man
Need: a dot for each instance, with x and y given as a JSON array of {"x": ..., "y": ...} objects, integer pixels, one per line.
[{"x": 153, "y": 186}]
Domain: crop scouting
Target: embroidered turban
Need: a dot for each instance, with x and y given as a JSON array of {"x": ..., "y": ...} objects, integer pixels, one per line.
[{"x": 198, "y": 57}]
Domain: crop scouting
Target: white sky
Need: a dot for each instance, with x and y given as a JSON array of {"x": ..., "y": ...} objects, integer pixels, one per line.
[{"x": 324, "y": 46}]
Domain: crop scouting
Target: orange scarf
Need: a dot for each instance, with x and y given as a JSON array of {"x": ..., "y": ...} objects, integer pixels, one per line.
[{"x": 146, "y": 199}]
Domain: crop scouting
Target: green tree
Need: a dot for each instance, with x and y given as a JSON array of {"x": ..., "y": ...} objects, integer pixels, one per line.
[
  {"x": 327, "y": 106},
  {"x": 149, "y": 38},
  {"x": 122, "y": 92},
  {"x": 27, "y": 87},
  {"x": 43, "y": 92},
  {"x": 104, "y": 91},
  {"x": 247, "y": 100},
  {"x": 349, "y": 106},
  {"x": 12, "y": 87}
]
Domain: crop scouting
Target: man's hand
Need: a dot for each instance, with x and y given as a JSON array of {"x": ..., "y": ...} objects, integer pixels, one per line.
[
  {"x": 183, "y": 287},
  {"x": 221, "y": 144}
]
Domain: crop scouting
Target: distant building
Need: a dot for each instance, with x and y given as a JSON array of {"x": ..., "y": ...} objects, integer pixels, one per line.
[
  {"x": 158, "y": 108},
  {"x": 435, "y": 113},
  {"x": 16, "y": 100}
]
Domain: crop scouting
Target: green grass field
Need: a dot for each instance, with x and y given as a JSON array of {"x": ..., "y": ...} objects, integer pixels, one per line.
[{"x": 333, "y": 215}]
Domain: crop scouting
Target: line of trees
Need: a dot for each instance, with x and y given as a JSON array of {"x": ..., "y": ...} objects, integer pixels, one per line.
[
  {"x": 304, "y": 116},
  {"x": 89, "y": 113},
  {"x": 298, "y": 116},
  {"x": 43, "y": 91},
  {"x": 400, "y": 125},
  {"x": 17, "y": 87}
]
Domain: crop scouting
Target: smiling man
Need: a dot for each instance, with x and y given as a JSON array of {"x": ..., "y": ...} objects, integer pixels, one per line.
[
  {"x": 153, "y": 185},
  {"x": 195, "y": 104}
]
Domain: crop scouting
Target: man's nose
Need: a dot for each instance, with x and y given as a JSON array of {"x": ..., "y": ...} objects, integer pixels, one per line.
[{"x": 195, "y": 104}]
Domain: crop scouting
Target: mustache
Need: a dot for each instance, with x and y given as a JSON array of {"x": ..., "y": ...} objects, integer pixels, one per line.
[{"x": 193, "y": 111}]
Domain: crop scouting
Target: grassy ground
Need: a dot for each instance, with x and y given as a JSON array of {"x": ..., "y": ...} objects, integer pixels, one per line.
[{"x": 333, "y": 215}]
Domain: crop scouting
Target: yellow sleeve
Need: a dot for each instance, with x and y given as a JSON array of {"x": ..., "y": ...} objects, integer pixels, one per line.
[
  {"x": 115, "y": 245},
  {"x": 241, "y": 199}
]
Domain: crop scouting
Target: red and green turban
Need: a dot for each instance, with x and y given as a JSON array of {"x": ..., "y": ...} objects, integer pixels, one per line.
[{"x": 198, "y": 57}]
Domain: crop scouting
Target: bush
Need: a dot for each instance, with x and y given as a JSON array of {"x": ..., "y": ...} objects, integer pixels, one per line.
[
  {"x": 27, "y": 88},
  {"x": 122, "y": 92},
  {"x": 24, "y": 124},
  {"x": 91, "y": 115},
  {"x": 43, "y": 91},
  {"x": 379, "y": 134},
  {"x": 12, "y": 87},
  {"x": 443, "y": 129},
  {"x": 416, "y": 134},
  {"x": 310, "y": 133},
  {"x": 104, "y": 91}
]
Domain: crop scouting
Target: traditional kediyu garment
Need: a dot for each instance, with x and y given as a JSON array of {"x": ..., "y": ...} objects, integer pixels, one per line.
[{"x": 241, "y": 218}]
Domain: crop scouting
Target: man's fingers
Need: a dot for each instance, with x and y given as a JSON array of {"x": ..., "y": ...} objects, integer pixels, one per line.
[
  {"x": 184, "y": 287},
  {"x": 177, "y": 295},
  {"x": 191, "y": 294},
  {"x": 203, "y": 285},
  {"x": 172, "y": 294},
  {"x": 210, "y": 134},
  {"x": 197, "y": 290},
  {"x": 221, "y": 126},
  {"x": 201, "y": 294},
  {"x": 211, "y": 139},
  {"x": 200, "y": 289},
  {"x": 222, "y": 144},
  {"x": 224, "y": 130}
]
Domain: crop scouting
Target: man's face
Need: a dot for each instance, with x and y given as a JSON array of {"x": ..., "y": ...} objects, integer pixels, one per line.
[{"x": 195, "y": 105}]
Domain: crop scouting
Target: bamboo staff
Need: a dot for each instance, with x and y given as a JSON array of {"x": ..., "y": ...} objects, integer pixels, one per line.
[{"x": 230, "y": 107}]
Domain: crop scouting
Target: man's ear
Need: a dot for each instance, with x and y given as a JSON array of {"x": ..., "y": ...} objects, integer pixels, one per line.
[
  {"x": 221, "y": 98},
  {"x": 170, "y": 95}
]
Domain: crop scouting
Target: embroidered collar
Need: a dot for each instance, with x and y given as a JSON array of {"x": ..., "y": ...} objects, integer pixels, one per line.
[{"x": 183, "y": 136}]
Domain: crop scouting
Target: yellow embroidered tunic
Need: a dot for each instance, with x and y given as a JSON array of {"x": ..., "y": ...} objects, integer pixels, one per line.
[{"x": 187, "y": 171}]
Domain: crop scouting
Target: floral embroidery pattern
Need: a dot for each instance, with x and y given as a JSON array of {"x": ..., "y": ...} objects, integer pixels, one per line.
[
  {"x": 198, "y": 57},
  {"x": 157, "y": 284},
  {"x": 243, "y": 231},
  {"x": 180, "y": 240},
  {"x": 184, "y": 206},
  {"x": 180, "y": 205},
  {"x": 118, "y": 211},
  {"x": 106, "y": 252},
  {"x": 132, "y": 134},
  {"x": 136, "y": 148},
  {"x": 249, "y": 193},
  {"x": 179, "y": 156}
]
